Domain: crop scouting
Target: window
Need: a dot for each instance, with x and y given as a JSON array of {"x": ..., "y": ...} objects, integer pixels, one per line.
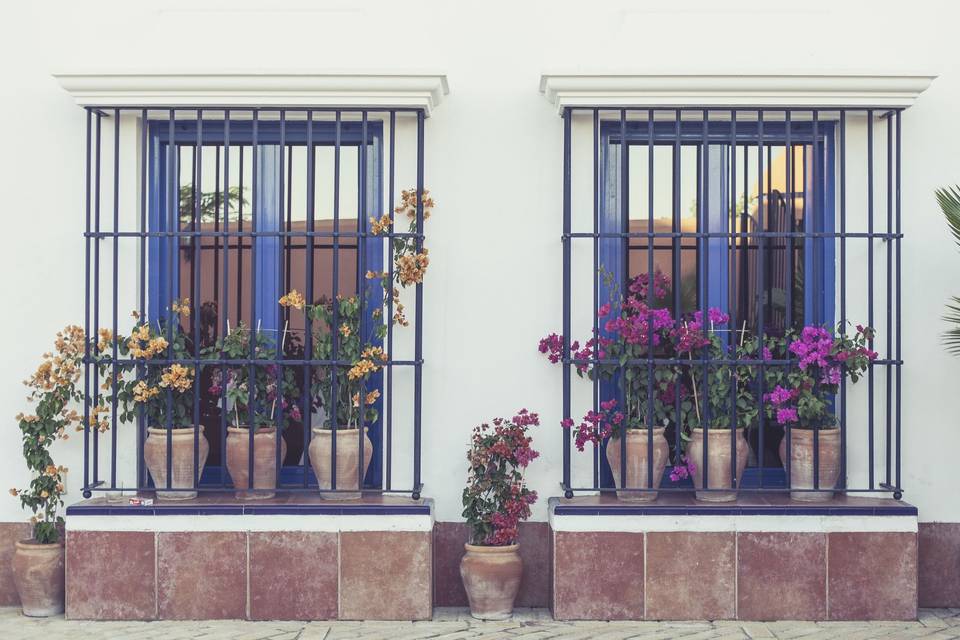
[
  {"x": 202, "y": 219},
  {"x": 751, "y": 211}
]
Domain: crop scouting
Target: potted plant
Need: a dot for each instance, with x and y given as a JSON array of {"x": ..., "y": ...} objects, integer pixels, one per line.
[
  {"x": 342, "y": 391},
  {"x": 495, "y": 500},
  {"x": 39, "y": 561},
  {"x": 273, "y": 400},
  {"x": 342, "y": 411},
  {"x": 801, "y": 398},
  {"x": 164, "y": 395},
  {"x": 716, "y": 389},
  {"x": 632, "y": 328}
]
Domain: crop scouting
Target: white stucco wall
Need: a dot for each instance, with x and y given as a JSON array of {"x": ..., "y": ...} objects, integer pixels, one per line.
[{"x": 493, "y": 160}]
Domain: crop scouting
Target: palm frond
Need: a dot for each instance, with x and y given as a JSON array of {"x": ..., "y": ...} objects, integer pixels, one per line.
[
  {"x": 951, "y": 339},
  {"x": 949, "y": 201}
]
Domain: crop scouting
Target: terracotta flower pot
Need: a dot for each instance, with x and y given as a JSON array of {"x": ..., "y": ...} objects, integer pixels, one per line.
[
  {"x": 636, "y": 471},
  {"x": 155, "y": 456},
  {"x": 801, "y": 463},
  {"x": 38, "y": 576},
  {"x": 491, "y": 577},
  {"x": 719, "y": 456},
  {"x": 264, "y": 461},
  {"x": 348, "y": 458}
]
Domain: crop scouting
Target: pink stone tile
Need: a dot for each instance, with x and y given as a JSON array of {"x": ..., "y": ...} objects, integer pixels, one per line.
[
  {"x": 202, "y": 575},
  {"x": 535, "y": 551},
  {"x": 448, "y": 540},
  {"x": 782, "y": 576},
  {"x": 598, "y": 576},
  {"x": 938, "y": 568},
  {"x": 691, "y": 575},
  {"x": 111, "y": 575},
  {"x": 872, "y": 576},
  {"x": 10, "y": 533},
  {"x": 293, "y": 575},
  {"x": 386, "y": 575}
]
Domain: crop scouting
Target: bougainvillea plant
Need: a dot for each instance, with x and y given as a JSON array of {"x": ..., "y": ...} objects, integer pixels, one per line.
[
  {"x": 54, "y": 391},
  {"x": 360, "y": 344},
  {"x": 164, "y": 393},
  {"x": 632, "y": 328},
  {"x": 275, "y": 388},
  {"x": 365, "y": 356},
  {"x": 728, "y": 382},
  {"x": 801, "y": 395},
  {"x": 496, "y": 498}
]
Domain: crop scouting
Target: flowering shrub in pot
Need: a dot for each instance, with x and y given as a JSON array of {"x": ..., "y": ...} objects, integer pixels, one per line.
[
  {"x": 359, "y": 344},
  {"x": 163, "y": 394},
  {"x": 632, "y": 328},
  {"x": 800, "y": 399},
  {"x": 38, "y": 562},
  {"x": 719, "y": 390},
  {"x": 274, "y": 397},
  {"x": 495, "y": 500}
]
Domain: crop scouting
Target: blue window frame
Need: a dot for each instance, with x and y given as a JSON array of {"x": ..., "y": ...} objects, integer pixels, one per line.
[
  {"x": 692, "y": 167},
  {"x": 163, "y": 253}
]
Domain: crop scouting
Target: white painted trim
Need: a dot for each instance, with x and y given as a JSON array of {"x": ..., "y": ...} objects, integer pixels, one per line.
[
  {"x": 778, "y": 524},
  {"x": 235, "y": 89},
  {"x": 796, "y": 90},
  {"x": 285, "y": 522}
]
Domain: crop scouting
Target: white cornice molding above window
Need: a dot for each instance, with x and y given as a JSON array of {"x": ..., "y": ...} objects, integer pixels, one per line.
[
  {"x": 681, "y": 90},
  {"x": 249, "y": 89}
]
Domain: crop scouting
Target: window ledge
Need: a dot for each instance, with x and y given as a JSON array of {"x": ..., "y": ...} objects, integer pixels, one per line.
[
  {"x": 750, "y": 512},
  {"x": 249, "y": 89},
  {"x": 761, "y": 90}
]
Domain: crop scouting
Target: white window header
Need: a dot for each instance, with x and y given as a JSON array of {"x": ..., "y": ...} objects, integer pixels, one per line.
[
  {"x": 623, "y": 90},
  {"x": 248, "y": 89}
]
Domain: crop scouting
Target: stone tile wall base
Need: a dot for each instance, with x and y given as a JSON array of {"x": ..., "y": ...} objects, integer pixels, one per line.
[
  {"x": 277, "y": 575},
  {"x": 687, "y": 575}
]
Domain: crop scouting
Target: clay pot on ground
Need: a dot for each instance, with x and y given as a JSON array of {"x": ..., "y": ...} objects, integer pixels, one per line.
[
  {"x": 719, "y": 457},
  {"x": 38, "y": 577},
  {"x": 491, "y": 578},
  {"x": 264, "y": 461},
  {"x": 155, "y": 456},
  {"x": 801, "y": 463},
  {"x": 348, "y": 460},
  {"x": 637, "y": 476}
]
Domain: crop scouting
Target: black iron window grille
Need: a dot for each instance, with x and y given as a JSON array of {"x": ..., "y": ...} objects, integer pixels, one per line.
[
  {"x": 777, "y": 218},
  {"x": 250, "y": 245}
]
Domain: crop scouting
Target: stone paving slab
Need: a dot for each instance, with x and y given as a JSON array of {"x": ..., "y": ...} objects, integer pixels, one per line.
[{"x": 456, "y": 624}]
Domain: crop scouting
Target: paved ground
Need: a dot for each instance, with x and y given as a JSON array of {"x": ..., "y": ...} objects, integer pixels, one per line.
[{"x": 455, "y": 624}]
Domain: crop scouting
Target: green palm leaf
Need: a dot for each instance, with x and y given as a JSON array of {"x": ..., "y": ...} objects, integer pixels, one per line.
[{"x": 949, "y": 201}]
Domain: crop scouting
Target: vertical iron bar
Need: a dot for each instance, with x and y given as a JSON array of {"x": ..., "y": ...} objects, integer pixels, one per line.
[
  {"x": 308, "y": 353},
  {"x": 334, "y": 331},
  {"x": 568, "y": 493},
  {"x": 843, "y": 292},
  {"x": 650, "y": 289},
  {"x": 173, "y": 227},
  {"x": 899, "y": 356},
  {"x": 195, "y": 288},
  {"x": 141, "y": 470},
  {"x": 702, "y": 269},
  {"x": 625, "y": 278},
  {"x": 255, "y": 211},
  {"x": 116, "y": 287},
  {"x": 225, "y": 314},
  {"x": 240, "y": 241},
  {"x": 763, "y": 199},
  {"x": 96, "y": 293},
  {"x": 362, "y": 287},
  {"x": 889, "y": 336},
  {"x": 86, "y": 314},
  {"x": 817, "y": 211},
  {"x": 789, "y": 320},
  {"x": 595, "y": 383},
  {"x": 387, "y": 293},
  {"x": 418, "y": 336},
  {"x": 279, "y": 417},
  {"x": 870, "y": 237},
  {"x": 675, "y": 273},
  {"x": 733, "y": 280}
]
